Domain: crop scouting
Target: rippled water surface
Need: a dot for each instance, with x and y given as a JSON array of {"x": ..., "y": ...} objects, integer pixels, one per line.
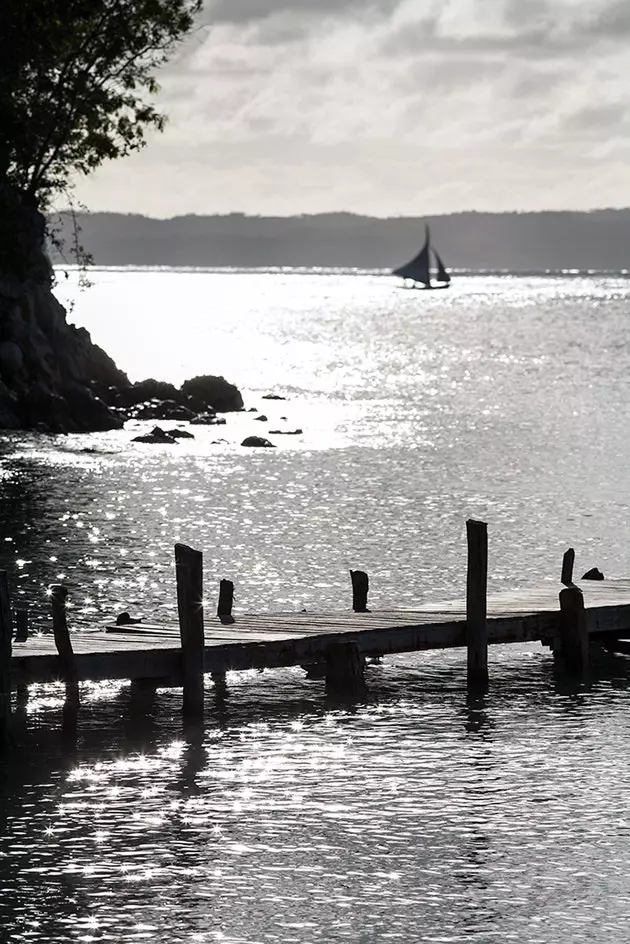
[{"x": 423, "y": 814}]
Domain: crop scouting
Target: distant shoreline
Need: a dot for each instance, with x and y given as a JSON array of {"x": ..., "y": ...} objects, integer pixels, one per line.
[{"x": 472, "y": 242}]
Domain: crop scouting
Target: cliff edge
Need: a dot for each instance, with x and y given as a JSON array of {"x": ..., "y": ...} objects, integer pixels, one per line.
[{"x": 50, "y": 371}]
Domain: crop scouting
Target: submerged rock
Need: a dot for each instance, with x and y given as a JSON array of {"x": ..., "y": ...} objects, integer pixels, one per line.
[
  {"x": 272, "y": 396},
  {"x": 261, "y": 419},
  {"x": 286, "y": 432},
  {"x": 257, "y": 441}
]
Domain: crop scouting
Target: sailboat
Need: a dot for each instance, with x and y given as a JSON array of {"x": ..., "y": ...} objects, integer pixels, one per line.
[{"x": 418, "y": 269}]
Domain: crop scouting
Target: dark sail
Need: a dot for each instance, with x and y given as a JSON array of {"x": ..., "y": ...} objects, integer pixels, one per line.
[
  {"x": 442, "y": 274},
  {"x": 418, "y": 268}
]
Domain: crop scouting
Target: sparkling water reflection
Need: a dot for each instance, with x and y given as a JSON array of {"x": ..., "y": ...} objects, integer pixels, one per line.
[
  {"x": 421, "y": 815},
  {"x": 425, "y": 814}
]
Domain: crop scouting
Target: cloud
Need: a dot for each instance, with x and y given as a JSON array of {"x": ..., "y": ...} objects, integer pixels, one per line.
[{"x": 352, "y": 103}]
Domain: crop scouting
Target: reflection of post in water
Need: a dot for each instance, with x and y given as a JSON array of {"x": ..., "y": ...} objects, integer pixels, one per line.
[
  {"x": 67, "y": 663},
  {"x": 477, "y": 713},
  {"x": 194, "y": 757}
]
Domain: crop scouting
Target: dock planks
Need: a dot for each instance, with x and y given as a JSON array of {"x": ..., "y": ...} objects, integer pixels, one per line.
[{"x": 250, "y": 641}]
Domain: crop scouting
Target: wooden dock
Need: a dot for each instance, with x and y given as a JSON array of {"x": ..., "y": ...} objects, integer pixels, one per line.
[{"x": 567, "y": 619}]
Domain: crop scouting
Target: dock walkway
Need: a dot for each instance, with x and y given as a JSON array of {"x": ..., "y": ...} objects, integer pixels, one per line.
[
  {"x": 249, "y": 641},
  {"x": 567, "y": 617}
]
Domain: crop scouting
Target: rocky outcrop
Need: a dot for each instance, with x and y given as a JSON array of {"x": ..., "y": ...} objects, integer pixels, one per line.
[
  {"x": 50, "y": 371},
  {"x": 52, "y": 377}
]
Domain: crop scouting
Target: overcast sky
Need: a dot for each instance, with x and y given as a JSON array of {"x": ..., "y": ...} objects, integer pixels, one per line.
[{"x": 388, "y": 107}]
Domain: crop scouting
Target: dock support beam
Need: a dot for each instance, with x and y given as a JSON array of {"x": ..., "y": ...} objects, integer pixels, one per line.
[
  {"x": 344, "y": 671},
  {"x": 189, "y": 576},
  {"x": 573, "y": 631},
  {"x": 568, "y": 561},
  {"x": 6, "y": 631},
  {"x": 476, "y": 603},
  {"x": 360, "y": 587}
]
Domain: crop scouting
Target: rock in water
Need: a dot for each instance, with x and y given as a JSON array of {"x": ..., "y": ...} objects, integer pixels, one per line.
[
  {"x": 224, "y": 397},
  {"x": 257, "y": 441},
  {"x": 157, "y": 435},
  {"x": 593, "y": 574}
]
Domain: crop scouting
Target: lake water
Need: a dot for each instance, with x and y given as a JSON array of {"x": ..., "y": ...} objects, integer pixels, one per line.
[{"x": 421, "y": 815}]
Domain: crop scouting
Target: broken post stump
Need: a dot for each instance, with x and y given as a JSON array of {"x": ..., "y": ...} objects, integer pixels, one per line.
[
  {"x": 6, "y": 631},
  {"x": 573, "y": 631},
  {"x": 360, "y": 587},
  {"x": 568, "y": 561},
  {"x": 344, "y": 671},
  {"x": 189, "y": 576},
  {"x": 476, "y": 603},
  {"x": 226, "y": 600},
  {"x": 67, "y": 663}
]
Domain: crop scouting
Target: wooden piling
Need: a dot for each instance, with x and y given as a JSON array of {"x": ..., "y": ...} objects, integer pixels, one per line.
[
  {"x": 189, "y": 575},
  {"x": 6, "y": 631},
  {"x": 344, "y": 671},
  {"x": 573, "y": 631},
  {"x": 568, "y": 561},
  {"x": 67, "y": 664},
  {"x": 360, "y": 587},
  {"x": 21, "y": 625},
  {"x": 476, "y": 603},
  {"x": 226, "y": 600}
]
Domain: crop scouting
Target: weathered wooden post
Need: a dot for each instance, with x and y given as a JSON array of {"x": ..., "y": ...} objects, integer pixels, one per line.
[
  {"x": 568, "y": 561},
  {"x": 360, "y": 587},
  {"x": 476, "y": 603},
  {"x": 21, "y": 625},
  {"x": 6, "y": 631},
  {"x": 344, "y": 671},
  {"x": 67, "y": 663},
  {"x": 573, "y": 631},
  {"x": 226, "y": 600},
  {"x": 189, "y": 576}
]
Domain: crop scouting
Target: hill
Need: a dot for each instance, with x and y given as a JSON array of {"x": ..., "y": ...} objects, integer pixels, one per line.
[{"x": 599, "y": 239}]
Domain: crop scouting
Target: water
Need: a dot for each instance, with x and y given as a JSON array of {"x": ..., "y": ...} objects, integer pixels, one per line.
[{"x": 420, "y": 815}]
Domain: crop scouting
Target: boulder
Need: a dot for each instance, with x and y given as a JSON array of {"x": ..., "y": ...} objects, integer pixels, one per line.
[
  {"x": 145, "y": 391},
  {"x": 261, "y": 419},
  {"x": 257, "y": 441},
  {"x": 224, "y": 397},
  {"x": 157, "y": 435},
  {"x": 180, "y": 434},
  {"x": 593, "y": 574}
]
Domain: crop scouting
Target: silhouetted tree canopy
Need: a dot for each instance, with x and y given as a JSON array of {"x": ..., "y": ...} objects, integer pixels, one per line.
[{"x": 76, "y": 81}]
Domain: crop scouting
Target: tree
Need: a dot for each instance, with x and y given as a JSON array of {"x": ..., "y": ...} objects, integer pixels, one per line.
[{"x": 76, "y": 82}]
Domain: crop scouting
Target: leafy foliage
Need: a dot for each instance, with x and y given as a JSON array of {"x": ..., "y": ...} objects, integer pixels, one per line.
[{"x": 76, "y": 79}]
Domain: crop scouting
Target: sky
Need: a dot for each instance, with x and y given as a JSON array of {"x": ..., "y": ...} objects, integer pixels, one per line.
[{"x": 387, "y": 108}]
